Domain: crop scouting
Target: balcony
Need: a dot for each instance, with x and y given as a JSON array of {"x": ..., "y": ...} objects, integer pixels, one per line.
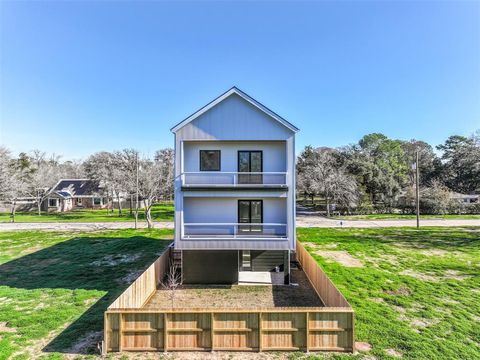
[
  {"x": 244, "y": 231},
  {"x": 209, "y": 180}
]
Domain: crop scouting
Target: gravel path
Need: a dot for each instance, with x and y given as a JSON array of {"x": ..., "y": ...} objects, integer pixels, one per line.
[{"x": 302, "y": 221}]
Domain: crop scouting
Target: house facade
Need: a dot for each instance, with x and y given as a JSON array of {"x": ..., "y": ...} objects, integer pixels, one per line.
[
  {"x": 70, "y": 194},
  {"x": 234, "y": 191}
]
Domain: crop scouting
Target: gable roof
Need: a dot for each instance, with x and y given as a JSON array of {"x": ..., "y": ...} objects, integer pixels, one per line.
[
  {"x": 76, "y": 187},
  {"x": 237, "y": 91},
  {"x": 60, "y": 194}
]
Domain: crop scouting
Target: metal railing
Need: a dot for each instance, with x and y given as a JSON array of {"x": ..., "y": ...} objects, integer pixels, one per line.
[
  {"x": 245, "y": 179},
  {"x": 234, "y": 230}
]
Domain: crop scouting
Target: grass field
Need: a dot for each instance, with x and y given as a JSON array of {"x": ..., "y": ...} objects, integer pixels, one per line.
[
  {"x": 54, "y": 287},
  {"x": 405, "y": 217},
  {"x": 160, "y": 212},
  {"x": 416, "y": 294}
]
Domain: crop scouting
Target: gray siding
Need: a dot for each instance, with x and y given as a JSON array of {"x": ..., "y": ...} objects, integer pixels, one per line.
[
  {"x": 234, "y": 119},
  {"x": 224, "y": 210},
  {"x": 274, "y": 154},
  {"x": 210, "y": 267}
]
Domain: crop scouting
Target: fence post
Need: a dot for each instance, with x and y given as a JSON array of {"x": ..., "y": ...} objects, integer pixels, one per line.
[
  {"x": 307, "y": 331},
  {"x": 120, "y": 331},
  {"x": 260, "y": 319},
  {"x": 212, "y": 321},
  {"x": 165, "y": 332},
  {"x": 105, "y": 333}
]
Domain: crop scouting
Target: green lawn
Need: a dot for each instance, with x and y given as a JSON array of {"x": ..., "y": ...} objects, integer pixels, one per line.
[
  {"x": 54, "y": 287},
  {"x": 405, "y": 217},
  {"x": 160, "y": 212},
  {"x": 417, "y": 293}
]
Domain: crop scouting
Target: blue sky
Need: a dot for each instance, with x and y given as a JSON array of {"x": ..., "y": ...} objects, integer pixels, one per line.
[{"x": 79, "y": 77}]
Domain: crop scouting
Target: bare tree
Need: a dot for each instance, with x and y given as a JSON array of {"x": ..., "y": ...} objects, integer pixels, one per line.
[
  {"x": 321, "y": 174},
  {"x": 13, "y": 178},
  {"x": 165, "y": 159},
  {"x": 44, "y": 174},
  {"x": 172, "y": 281},
  {"x": 149, "y": 186},
  {"x": 155, "y": 180},
  {"x": 128, "y": 160},
  {"x": 106, "y": 169}
]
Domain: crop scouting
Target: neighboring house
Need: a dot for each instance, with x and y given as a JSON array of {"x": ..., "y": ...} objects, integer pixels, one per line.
[
  {"x": 465, "y": 198},
  {"x": 69, "y": 194},
  {"x": 234, "y": 190}
]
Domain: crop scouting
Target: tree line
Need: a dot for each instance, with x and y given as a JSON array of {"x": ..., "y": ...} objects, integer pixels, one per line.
[
  {"x": 121, "y": 173},
  {"x": 374, "y": 175},
  {"x": 377, "y": 174}
]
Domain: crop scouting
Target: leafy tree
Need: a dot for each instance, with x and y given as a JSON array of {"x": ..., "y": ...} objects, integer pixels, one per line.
[
  {"x": 378, "y": 163},
  {"x": 429, "y": 163},
  {"x": 461, "y": 163}
]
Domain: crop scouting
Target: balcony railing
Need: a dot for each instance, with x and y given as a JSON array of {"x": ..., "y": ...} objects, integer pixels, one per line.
[
  {"x": 234, "y": 179},
  {"x": 234, "y": 231}
]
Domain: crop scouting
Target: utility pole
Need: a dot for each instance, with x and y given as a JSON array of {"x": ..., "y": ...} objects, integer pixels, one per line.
[
  {"x": 417, "y": 197},
  {"x": 136, "y": 192}
]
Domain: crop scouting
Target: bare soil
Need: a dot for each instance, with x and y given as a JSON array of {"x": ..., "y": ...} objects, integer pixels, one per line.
[
  {"x": 449, "y": 274},
  {"x": 240, "y": 296},
  {"x": 5, "y": 328},
  {"x": 342, "y": 257}
]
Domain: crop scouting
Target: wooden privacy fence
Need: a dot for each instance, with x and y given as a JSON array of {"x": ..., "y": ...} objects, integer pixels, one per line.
[
  {"x": 128, "y": 327},
  {"x": 324, "y": 287},
  {"x": 145, "y": 285}
]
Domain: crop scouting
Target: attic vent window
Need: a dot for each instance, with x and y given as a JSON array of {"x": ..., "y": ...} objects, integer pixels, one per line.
[{"x": 209, "y": 160}]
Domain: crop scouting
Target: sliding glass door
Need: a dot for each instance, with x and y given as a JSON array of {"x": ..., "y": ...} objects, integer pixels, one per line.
[
  {"x": 250, "y": 212},
  {"x": 250, "y": 162}
]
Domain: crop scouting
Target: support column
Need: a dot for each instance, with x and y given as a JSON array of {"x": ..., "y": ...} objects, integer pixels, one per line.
[{"x": 286, "y": 267}]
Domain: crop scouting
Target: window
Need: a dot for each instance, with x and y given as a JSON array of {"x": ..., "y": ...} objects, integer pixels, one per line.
[
  {"x": 209, "y": 160},
  {"x": 52, "y": 202},
  {"x": 79, "y": 201},
  {"x": 97, "y": 201}
]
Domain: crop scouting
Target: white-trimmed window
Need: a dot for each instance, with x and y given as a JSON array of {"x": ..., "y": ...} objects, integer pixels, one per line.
[
  {"x": 97, "y": 201},
  {"x": 79, "y": 201},
  {"x": 52, "y": 202}
]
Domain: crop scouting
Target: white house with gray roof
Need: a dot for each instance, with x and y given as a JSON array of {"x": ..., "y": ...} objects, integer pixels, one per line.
[
  {"x": 69, "y": 194},
  {"x": 234, "y": 190}
]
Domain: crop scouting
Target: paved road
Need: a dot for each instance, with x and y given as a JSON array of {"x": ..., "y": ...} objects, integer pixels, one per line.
[
  {"x": 320, "y": 221},
  {"x": 310, "y": 220}
]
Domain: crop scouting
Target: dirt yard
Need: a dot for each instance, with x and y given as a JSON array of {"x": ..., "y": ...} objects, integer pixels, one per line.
[{"x": 239, "y": 296}]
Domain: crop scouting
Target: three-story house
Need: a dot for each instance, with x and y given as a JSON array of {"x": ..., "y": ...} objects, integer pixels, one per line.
[{"x": 234, "y": 191}]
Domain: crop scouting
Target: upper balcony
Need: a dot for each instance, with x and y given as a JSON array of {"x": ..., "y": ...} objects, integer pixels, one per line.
[{"x": 210, "y": 180}]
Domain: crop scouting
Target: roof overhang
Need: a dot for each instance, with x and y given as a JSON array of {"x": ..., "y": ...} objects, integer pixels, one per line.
[{"x": 235, "y": 90}]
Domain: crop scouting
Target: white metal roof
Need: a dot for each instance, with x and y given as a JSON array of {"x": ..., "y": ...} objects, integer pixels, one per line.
[{"x": 235, "y": 90}]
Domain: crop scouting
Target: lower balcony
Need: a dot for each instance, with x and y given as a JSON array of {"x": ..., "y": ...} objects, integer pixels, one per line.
[{"x": 219, "y": 231}]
